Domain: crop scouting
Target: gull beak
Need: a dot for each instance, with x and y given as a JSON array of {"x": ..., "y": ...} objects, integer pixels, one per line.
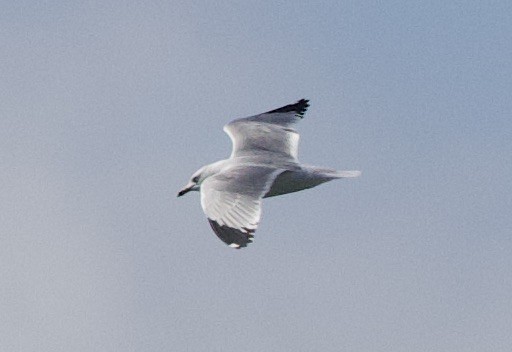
[{"x": 189, "y": 187}]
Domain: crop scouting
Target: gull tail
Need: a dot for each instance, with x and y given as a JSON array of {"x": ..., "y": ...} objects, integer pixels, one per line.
[
  {"x": 306, "y": 177},
  {"x": 331, "y": 174},
  {"x": 346, "y": 174}
]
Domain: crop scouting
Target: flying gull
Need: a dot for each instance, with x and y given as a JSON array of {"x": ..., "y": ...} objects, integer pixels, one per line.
[{"x": 263, "y": 163}]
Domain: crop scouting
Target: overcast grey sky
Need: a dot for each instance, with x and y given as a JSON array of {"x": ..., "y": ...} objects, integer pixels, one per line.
[{"x": 107, "y": 108}]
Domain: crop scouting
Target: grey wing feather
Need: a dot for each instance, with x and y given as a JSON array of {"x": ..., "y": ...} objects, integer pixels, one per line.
[
  {"x": 232, "y": 201},
  {"x": 270, "y": 132}
]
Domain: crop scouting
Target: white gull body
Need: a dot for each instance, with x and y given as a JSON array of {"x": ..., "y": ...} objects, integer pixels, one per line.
[{"x": 263, "y": 163}]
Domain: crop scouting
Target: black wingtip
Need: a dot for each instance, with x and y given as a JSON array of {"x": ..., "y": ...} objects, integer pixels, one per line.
[
  {"x": 299, "y": 108},
  {"x": 232, "y": 237}
]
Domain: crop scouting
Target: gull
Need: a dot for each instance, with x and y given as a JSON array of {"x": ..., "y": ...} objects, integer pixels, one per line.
[{"x": 263, "y": 163}]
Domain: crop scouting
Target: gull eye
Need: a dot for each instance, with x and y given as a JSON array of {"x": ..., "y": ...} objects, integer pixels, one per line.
[{"x": 195, "y": 179}]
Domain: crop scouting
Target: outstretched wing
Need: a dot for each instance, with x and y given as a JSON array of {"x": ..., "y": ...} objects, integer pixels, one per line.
[
  {"x": 270, "y": 132},
  {"x": 232, "y": 202}
]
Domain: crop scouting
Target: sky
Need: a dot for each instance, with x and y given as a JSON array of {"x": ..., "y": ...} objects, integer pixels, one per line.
[{"x": 107, "y": 108}]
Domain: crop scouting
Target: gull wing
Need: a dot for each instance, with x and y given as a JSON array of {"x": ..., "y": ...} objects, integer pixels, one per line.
[
  {"x": 270, "y": 132},
  {"x": 232, "y": 201}
]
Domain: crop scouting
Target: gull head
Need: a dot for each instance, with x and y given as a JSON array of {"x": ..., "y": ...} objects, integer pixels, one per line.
[
  {"x": 194, "y": 183},
  {"x": 200, "y": 175}
]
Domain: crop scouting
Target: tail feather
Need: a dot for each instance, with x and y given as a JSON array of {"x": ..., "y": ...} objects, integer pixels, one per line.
[
  {"x": 346, "y": 174},
  {"x": 307, "y": 177},
  {"x": 332, "y": 174}
]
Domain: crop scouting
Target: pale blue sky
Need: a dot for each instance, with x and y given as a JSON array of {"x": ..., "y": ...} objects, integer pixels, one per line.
[{"x": 109, "y": 107}]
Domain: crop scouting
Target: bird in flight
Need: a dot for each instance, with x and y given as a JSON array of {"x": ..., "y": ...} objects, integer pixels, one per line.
[{"x": 263, "y": 163}]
